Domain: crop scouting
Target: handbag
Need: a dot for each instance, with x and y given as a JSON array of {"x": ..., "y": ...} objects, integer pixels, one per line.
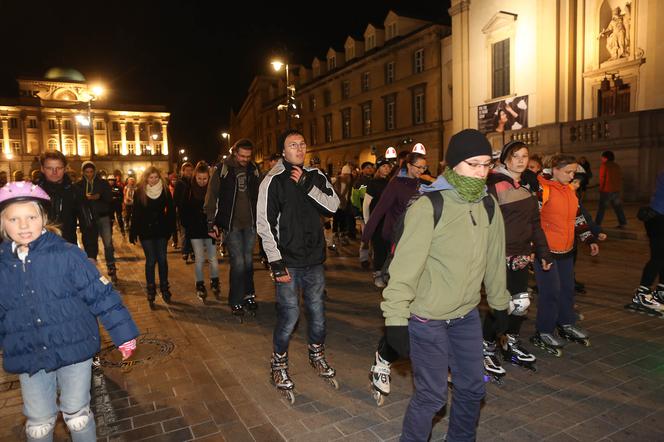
[{"x": 646, "y": 213}]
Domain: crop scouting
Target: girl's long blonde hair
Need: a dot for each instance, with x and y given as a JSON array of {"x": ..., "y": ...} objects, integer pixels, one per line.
[
  {"x": 143, "y": 182},
  {"x": 51, "y": 227}
]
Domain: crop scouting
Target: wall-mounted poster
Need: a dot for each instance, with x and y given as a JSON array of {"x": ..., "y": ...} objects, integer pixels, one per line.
[{"x": 507, "y": 114}]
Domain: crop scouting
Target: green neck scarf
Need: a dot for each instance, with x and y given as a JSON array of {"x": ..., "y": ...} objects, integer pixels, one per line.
[{"x": 470, "y": 189}]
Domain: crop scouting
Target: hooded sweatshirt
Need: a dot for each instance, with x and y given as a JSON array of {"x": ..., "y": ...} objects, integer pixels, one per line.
[{"x": 437, "y": 273}]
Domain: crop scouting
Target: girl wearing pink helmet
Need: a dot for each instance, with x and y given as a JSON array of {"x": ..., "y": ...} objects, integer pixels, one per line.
[{"x": 48, "y": 320}]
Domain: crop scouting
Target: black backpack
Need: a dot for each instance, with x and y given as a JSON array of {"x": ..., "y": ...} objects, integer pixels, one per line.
[{"x": 437, "y": 201}]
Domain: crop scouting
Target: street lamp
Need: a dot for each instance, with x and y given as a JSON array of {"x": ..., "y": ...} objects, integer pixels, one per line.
[
  {"x": 290, "y": 105},
  {"x": 227, "y": 136},
  {"x": 94, "y": 93}
]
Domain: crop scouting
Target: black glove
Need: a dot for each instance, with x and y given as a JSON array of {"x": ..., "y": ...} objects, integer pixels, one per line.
[
  {"x": 278, "y": 269},
  {"x": 397, "y": 337},
  {"x": 501, "y": 321},
  {"x": 306, "y": 181}
]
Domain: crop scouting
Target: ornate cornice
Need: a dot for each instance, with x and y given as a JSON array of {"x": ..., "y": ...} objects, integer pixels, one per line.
[{"x": 461, "y": 6}]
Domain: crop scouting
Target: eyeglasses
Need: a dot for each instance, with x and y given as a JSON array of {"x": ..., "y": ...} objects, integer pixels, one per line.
[
  {"x": 296, "y": 146},
  {"x": 54, "y": 169},
  {"x": 422, "y": 168},
  {"x": 478, "y": 165}
]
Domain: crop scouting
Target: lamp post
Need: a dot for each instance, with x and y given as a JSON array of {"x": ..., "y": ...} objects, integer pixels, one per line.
[
  {"x": 94, "y": 93},
  {"x": 290, "y": 93},
  {"x": 227, "y": 136}
]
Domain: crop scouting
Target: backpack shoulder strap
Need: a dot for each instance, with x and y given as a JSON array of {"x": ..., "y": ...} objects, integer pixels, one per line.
[
  {"x": 489, "y": 206},
  {"x": 437, "y": 201}
]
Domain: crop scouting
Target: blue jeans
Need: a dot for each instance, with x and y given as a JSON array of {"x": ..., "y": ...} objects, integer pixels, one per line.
[
  {"x": 555, "y": 302},
  {"x": 201, "y": 246},
  {"x": 91, "y": 236},
  {"x": 310, "y": 281},
  {"x": 240, "y": 246},
  {"x": 612, "y": 198},
  {"x": 40, "y": 404},
  {"x": 155, "y": 253},
  {"x": 435, "y": 346}
]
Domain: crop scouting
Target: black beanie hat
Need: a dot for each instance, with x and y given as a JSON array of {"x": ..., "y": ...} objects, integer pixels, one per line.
[
  {"x": 466, "y": 144},
  {"x": 511, "y": 146}
]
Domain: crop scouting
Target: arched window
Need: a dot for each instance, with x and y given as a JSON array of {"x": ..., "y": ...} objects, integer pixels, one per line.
[
  {"x": 53, "y": 144},
  {"x": 69, "y": 147},
  {"x": 83, "y": 147}
]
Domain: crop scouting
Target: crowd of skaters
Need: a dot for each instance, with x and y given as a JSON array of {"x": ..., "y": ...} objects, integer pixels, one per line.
[{"x": 490, "y": 221}]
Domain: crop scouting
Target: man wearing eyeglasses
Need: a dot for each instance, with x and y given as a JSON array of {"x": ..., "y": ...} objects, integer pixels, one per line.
[
  {"x": 430, "y": 303},
  {"x": 291, "y": 201},
  {"x": 64, "y": 202}
]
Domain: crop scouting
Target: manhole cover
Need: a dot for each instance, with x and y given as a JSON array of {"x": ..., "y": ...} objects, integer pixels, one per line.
[{"x": 148, "y": 350}]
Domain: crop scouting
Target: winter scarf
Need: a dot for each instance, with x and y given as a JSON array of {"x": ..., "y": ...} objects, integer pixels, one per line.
[
  {"x": 469, "y": 188},
  {"x": 153, "y": 192}
]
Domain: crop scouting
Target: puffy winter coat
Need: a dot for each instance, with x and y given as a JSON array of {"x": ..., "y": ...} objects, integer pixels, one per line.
[{"x": 49, "y": 306}]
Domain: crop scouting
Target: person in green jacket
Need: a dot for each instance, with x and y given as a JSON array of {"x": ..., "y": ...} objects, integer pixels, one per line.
[{"x": 430, "y": 303}]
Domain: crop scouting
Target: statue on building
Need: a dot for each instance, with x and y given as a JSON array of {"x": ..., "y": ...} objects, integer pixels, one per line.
[{"x": 617, "y": 39}]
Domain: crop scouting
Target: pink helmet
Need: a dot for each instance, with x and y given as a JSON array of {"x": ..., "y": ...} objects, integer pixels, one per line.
[{"x": 22, "y": 191}]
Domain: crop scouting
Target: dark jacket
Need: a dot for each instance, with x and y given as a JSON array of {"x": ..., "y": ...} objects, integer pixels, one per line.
[
  {"x": 222, "y": 190},
  {"x": 392, "y": 204},
  {"x": 181, "y": 190},
  {"x": 192, "y": 215},
  {"x": 289, "y": 215},
  {"x": 49, "y": 317},
  {"x": 153, "y": 219},
  {"x": 102, "y": 206},
  {"x": 65, "y": 205},
  {"x": 523, "y": 228}
]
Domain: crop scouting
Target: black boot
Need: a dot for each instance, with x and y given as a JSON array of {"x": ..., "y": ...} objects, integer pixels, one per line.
[
  {"x": 112, "y": 273},
  {"x": 200, "y": 291},
  {"x": 214, "y": 286},
  {"x": 165, "y": 293},
  {"x": 152, "y": 294}
]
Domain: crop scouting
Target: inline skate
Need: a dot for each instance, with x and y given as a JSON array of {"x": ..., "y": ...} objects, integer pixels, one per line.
[
  {"x": 492, "y": 365},
  {"x": 647, "y": 302},
  {"x": 517, "y": 354},
  {"x": 200, "y": 291},
  {"x": 574, "y": 334},
  {"x": 215, "y": 287},
  {"x": 280, "y": 377},
  {"x": 548, "y": 342},
  {"x": 319, "y": 363},
  {"x": 250, "y": 305},
  {"x": 380, "y": 379}
]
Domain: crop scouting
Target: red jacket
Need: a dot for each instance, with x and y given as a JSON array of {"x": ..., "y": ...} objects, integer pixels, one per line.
[{"x": 610, "y": 177}]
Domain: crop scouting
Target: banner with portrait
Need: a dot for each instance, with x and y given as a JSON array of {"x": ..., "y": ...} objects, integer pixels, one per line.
[{"x": 499, "y": 116}]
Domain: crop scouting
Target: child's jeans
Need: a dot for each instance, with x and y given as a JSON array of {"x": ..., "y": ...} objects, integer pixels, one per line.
[{"x": 40, "y": 406}]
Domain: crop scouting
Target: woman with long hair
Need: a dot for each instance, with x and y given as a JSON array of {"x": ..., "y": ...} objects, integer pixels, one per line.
[{"x": 153, "y": 224}]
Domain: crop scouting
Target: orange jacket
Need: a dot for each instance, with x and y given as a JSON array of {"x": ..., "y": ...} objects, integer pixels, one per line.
[
  {"x": 560, "y": 216},
  {"x": 610, "y": 177}
]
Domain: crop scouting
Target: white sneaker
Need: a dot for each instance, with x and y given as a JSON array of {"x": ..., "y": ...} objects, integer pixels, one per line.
[{"x": 378, "y": 280}]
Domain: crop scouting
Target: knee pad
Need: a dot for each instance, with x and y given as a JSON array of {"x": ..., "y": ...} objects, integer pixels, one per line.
[
  {"x": 519, "y": 304},
  {"x": 39, "y": 431},
  {"x": 78, "y": 421}
]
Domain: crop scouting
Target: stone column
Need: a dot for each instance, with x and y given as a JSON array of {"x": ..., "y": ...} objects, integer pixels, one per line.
[
  {"x": 59, "y": 122},
  {"x": 164, "y": 138},
  {"x": 137, "y": 137},
  {"x": 460, "y": 14},
  {"x": 77, "y": 141},
  {"x": 6, "y": 148},
  {"x": 123, "y": 138}
]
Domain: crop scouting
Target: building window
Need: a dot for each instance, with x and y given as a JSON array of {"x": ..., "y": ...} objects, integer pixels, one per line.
[
  {"x": 66, "y": 125},
  {"x": 345, "y": 89},
  {"x": 69, "y": 147},
  {"x": 52, "y": 144},
  {"x": 327, "y": 97},
  {"x": 331, "y": 63},
  {"x": 130, "y": 148},
  {"x": 313, "y": 132},
  {"x": 99, "y": 125},
  {"x": 350, "y": 52},
  {"x": 51, "y": 124},
  {"x": 418, "y": 105},
  {"x": 83, "y": 147},
  {"x": 366, "y": 118},
  {"x": 328, "y": 128},
  {"x": 32, "y": 123},
  {"x": 371, "y": 42},
  {"x": 157, "y": 150},
  {"x": 13, "y": 123},
  {"x": 116, "y": 126},
  {"x": 116, "y": 148},
  {"x": 500, "y": 61},
  {"x": 390, "y": 112},
  {"x": 345, "y": 123},
  {"x": 16, "y": 148},
  {"x": 312, "y": 103},
  {"x": 366, "y": 81},
  {"x": 389, "y": 72},
  {"x": 391, "y": 30},
  {"x": 418, "y": 61}
]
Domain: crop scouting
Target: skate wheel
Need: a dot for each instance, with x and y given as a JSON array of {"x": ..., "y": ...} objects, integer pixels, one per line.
[
  {"x": 586, "y": 342},
  {"x": 290, "y": 396},
  {"x": 557, "y": 352},
  {"x": 334, "y": 383},
  {"x": 379, "y": 398}
]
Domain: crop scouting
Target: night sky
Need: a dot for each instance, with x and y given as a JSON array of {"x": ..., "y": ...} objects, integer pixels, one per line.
[{"x": 196, "y": 59}]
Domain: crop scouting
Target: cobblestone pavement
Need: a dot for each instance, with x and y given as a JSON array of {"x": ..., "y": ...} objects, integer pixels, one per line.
[{"x": 202, "y": 375}]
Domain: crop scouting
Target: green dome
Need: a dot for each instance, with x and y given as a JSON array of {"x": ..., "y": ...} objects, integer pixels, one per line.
[{"x": 65, "y": 74}]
